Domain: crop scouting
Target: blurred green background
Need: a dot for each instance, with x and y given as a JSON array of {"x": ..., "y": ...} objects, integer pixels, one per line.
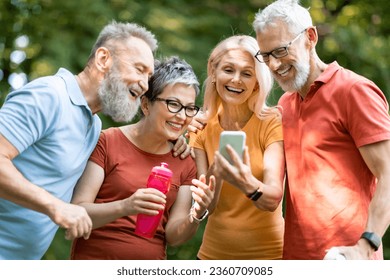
[{"x": 39, "y": 36}]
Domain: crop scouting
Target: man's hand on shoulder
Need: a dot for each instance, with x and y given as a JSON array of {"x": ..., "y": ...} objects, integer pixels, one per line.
[{"x": 181, "y": 148}]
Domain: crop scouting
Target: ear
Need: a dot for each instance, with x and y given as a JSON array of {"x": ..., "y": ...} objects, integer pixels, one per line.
[
  {"x": 103, "y": 59},
  {"x": 313, "y": 36},
  {"x": 257, "y": 87},
  {"x": 212, "y": 76},
  {"x": 145, "y": 105}
]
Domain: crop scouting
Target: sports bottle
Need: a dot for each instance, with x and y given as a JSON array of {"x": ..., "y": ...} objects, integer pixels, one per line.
[{"x": 160, "y": 179}]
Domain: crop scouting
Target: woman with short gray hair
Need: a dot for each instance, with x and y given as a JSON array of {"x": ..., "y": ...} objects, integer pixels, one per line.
[{"x": 112, "y": 188}]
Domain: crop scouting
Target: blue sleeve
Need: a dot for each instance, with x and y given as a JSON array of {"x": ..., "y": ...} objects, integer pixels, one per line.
[{"x": 29, "y": 114}]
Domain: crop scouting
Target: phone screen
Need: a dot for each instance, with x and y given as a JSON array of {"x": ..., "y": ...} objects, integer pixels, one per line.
[{"x": 236, "y": 139}]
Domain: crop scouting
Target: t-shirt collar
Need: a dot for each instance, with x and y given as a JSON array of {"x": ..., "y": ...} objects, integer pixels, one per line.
[
  {"x": 74, "y": 91},
  {"x": 328, "y": 73}
]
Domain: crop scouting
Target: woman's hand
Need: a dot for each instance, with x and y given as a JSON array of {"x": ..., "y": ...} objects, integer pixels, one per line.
[
  {"x": 202, "y": 194},
  {"x": 195, "y": 125},
  {"x": 145, "y": 201},
  {"x": 238, "y": 174},
  {"x": 198, "y": 123}
]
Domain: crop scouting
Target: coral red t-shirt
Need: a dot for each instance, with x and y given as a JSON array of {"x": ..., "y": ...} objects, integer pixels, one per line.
[
  {"x": 329, "y": 185},
  {"x": 127, "y": 169}
]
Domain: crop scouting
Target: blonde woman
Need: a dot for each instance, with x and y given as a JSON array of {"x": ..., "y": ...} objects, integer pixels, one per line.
[{"x": 246, "y": 220}]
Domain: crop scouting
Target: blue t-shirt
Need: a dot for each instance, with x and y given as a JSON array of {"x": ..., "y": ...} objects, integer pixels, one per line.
[{"x": 49, "y": 122}]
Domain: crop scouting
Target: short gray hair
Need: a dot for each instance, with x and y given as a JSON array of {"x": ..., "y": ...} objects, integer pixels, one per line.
[
  {"x": 120, "y": 32},
  {"x": 288, "y": 11},
  {"x": 170, "y": 71}
]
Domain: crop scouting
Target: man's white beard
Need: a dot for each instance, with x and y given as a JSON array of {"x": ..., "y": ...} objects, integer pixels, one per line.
[
  {"x": 301, "y": 76},
  {"x": 114, "y": 97}
]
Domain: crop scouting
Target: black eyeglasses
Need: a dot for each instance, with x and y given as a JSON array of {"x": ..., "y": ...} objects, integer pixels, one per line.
[
  {"x": 277, "y": 53},
  {"x": 174, "y": 106}
]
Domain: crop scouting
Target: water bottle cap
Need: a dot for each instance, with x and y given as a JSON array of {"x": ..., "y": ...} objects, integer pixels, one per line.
[{"x": 162, "y": 170}]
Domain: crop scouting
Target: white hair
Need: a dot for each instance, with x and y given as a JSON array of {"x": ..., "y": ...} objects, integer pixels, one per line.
[{"x": 296, "y": 17}]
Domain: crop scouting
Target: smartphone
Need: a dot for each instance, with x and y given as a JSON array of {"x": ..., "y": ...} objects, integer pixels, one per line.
[{"x": 236, "y": 139}]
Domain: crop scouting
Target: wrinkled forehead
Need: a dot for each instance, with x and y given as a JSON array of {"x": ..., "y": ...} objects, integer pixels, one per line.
[{"x": 135, "y": 50}]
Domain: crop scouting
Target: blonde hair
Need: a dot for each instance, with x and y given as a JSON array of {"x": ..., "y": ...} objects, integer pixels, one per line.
[{"x": 257, "y": 102}]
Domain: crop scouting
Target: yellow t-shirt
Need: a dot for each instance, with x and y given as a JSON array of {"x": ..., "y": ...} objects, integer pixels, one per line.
[{"x": 237, "y": 229}]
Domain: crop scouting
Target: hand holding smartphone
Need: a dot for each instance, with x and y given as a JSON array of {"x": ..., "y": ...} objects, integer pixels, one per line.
[{"x": 236, "y": 139}]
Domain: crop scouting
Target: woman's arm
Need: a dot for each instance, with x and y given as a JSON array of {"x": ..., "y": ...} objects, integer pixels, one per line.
[
  {"x": 203, "y": 168},
  {"x": 146, "y": 200},
  {"x": 183, "y": 219}
]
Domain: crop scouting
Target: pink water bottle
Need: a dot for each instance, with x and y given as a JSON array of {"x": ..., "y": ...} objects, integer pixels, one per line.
[{"x": 160, "y": 179}]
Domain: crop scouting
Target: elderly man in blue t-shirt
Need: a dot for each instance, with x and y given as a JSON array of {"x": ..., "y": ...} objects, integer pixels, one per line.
[{"x": 48, "y": 130}]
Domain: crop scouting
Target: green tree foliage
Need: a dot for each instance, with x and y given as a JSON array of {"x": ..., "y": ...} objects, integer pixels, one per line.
[{"x": 43, "y": 35}]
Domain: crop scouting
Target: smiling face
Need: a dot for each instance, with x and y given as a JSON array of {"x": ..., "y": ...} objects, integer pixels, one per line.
[
  {"x": 126, "y": 80},
  {"x": 291, "y": 71},
  {"x": 166, "y": 124},
  {"x": 235, "y": 77},
  {"x": 115, "y": 98}
]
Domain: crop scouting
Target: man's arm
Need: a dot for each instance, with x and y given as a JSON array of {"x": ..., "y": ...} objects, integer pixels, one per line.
[
  {"x": 17, "y": 189},
  {"x": 377, "y": 157}
]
